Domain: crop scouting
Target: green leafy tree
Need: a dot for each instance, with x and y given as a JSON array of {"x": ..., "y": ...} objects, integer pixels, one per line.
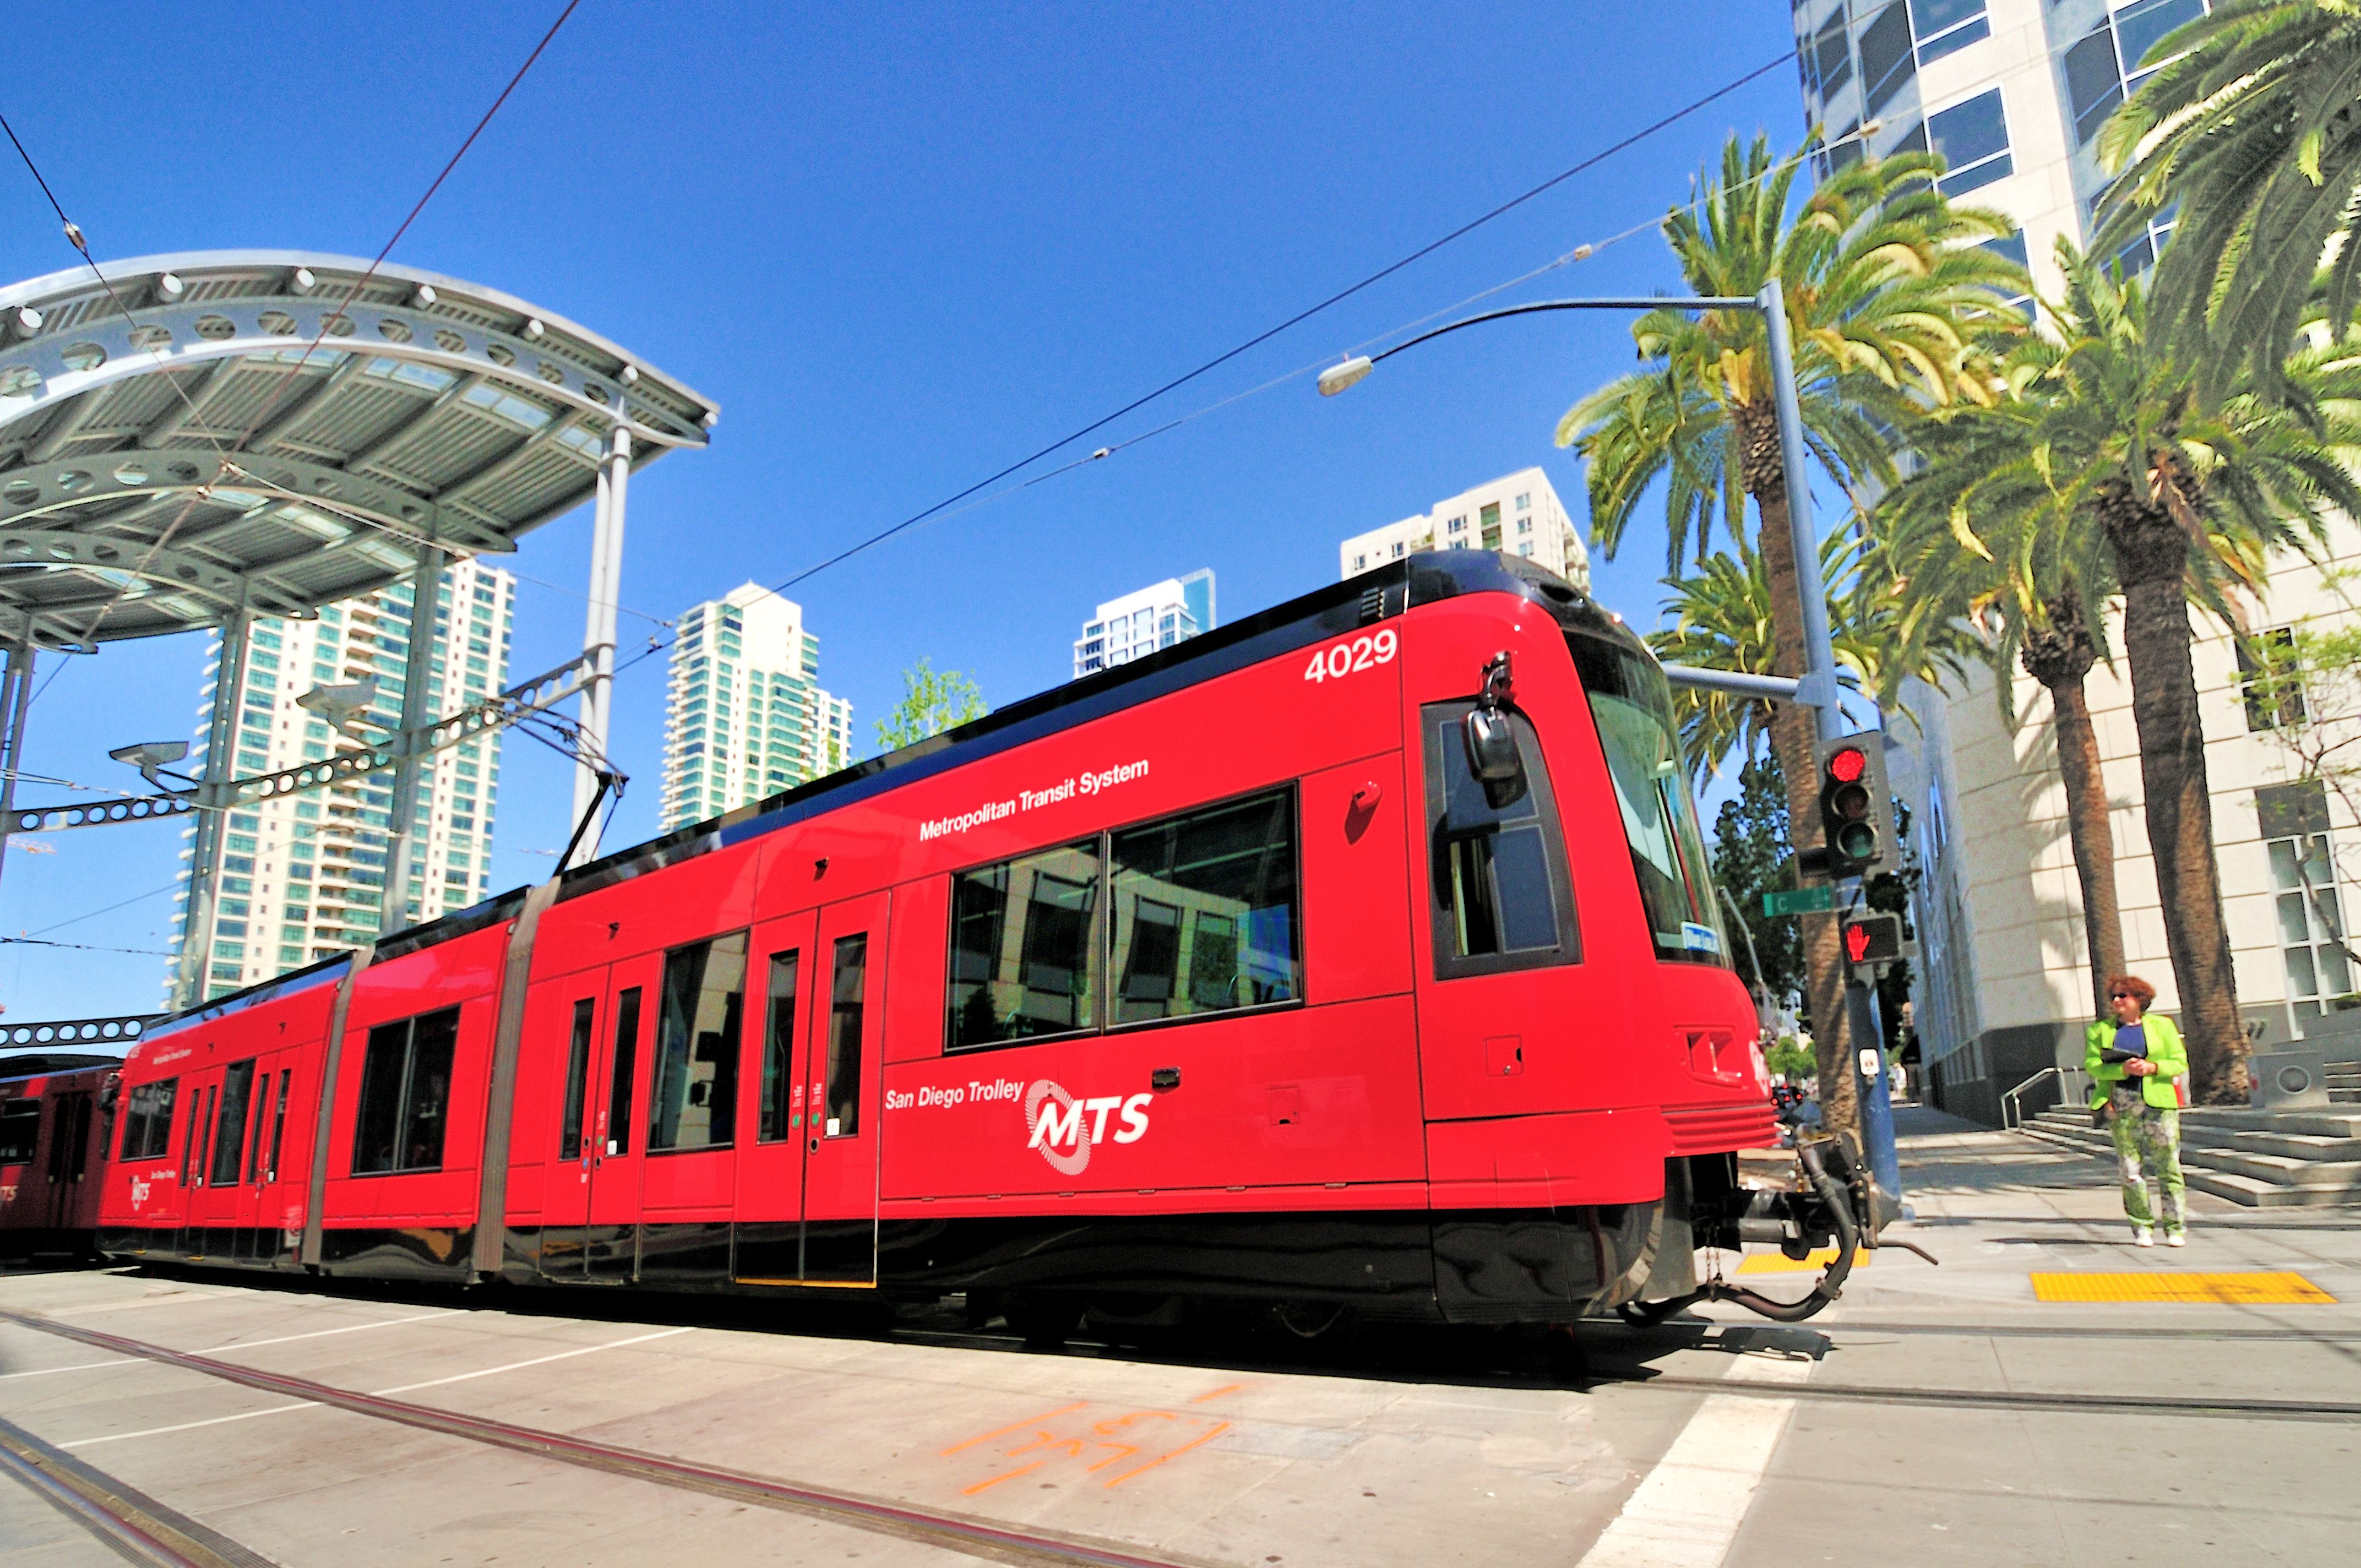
[
  {"x": 2187, "y": 499},
  {"x": 2251, "y": 141},
  {"x": 1790, "y": 1058},
  {"x": 1752, "y": 855},
  {"x": 1890, "y": 303},
  {"x": 931, "y": 703}
]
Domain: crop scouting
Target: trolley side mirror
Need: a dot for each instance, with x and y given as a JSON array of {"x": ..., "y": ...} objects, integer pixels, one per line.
[{"x": 1491, "y": 746}]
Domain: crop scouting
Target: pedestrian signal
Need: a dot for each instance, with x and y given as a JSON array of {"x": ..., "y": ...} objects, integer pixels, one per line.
[{"x": 1872, "y": 939}]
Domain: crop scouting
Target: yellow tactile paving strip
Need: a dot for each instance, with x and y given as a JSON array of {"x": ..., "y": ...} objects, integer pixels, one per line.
[
  {"x": 1811, "y": 1262},
  {"x": 2278, "y": 1289}
]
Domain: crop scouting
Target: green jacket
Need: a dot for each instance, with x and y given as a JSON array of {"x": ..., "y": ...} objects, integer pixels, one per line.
[{"x": 2164, "y": 1049}]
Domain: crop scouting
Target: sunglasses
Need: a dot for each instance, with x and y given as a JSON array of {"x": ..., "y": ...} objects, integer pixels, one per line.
[{"x": 2122, "y": 996}]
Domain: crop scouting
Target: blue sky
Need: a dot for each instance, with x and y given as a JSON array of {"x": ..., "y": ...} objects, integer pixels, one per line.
[{"x": 900, "y": 245}]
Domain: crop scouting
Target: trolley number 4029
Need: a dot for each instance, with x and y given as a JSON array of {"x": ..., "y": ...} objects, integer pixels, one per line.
[{"x": 1345, "y": 658}]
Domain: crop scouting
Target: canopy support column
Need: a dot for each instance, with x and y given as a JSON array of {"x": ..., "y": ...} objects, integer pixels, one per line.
[
  {"x": 213, "y": 803},
  {"x": 15, "y": 697},
  {"x": 599, "y": 635},
  {"x": 403, "y": 851}
]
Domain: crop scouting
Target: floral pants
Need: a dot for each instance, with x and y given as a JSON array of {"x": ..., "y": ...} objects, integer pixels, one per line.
[{"x": 2147, "y": 1147}]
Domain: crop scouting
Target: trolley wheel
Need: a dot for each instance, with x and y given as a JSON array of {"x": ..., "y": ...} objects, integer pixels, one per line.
[{"x": 1045, "y": 1322}]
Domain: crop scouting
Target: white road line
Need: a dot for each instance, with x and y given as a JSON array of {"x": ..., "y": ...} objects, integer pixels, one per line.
[
  {"x": 400, "y": 1389},
  {"x": 191, "y": 1426},
  {"x": 536, "y": 1361},
  {"x": 323, "y": 1333},
  {"x": 1688, "y": 1510},
  {"x": 77, "y": 1366}
]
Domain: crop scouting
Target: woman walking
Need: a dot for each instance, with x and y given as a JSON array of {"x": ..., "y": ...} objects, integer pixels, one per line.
[{"x": 2133, "y": 1060}]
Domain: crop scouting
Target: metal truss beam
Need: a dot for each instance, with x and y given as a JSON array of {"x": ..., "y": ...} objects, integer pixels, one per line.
[
  {"x": 542, "y": 692},
  {"x": 120, "y": 1030}
]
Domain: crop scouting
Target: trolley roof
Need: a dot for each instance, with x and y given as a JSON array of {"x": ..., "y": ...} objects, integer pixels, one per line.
[{"x": 173, "y": 449}]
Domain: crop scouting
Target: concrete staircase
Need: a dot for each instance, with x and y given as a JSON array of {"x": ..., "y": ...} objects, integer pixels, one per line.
[{"x": 2264, "y": 1160}]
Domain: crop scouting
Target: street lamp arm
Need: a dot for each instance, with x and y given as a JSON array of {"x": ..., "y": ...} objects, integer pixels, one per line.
[{"x": 1678, "y": 303}]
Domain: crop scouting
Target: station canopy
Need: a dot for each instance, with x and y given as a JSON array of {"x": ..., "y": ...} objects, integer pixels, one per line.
[{"x": 177, "y": 451}]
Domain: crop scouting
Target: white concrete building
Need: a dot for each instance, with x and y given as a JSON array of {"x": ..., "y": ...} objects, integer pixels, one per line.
[
  {"x": 1137, "y": 624},
  {"x": 2012, "y": 92},
  {"x": 744, "y": 715},
  {"x": 302, "y": 877},
  {"x": 1519, "y": 513}
]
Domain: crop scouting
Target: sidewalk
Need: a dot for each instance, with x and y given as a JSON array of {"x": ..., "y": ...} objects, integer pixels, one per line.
[{"x": 1934, "y": 1484}]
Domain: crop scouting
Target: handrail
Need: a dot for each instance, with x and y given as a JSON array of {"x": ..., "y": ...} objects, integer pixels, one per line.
[{"x": 2012, "y": 1100}]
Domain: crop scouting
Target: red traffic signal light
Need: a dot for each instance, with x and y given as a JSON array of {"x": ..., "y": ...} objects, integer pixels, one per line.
[{"x": 1853, "y": 793}]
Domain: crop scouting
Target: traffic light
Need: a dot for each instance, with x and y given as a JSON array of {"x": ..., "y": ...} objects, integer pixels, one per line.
[
  {"x": 1872, "y": 939},
  {"x": 1853, "y": 810}
]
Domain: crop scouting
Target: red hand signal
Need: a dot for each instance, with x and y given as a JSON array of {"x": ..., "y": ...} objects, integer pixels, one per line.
[{"x": 1856, "y": 942}]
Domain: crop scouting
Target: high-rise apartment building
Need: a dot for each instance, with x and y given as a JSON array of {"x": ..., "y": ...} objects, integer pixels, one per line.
[
  {"x": 1519, "y": 513},
  {"x": 302, "y": 877},
  {"x": 1137, "y": 624},
  {"x": 2013, "y": 94},
  {"x": 745, "y": 717}
]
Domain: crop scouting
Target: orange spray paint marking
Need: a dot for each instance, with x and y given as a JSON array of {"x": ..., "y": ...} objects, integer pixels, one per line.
[
  {"x": 1017, "y": 1426},
  {"x": 1224, "y": 1388},
  {"x": 1219, "y": 1428},
  {"x": 997, "y": 1480}
]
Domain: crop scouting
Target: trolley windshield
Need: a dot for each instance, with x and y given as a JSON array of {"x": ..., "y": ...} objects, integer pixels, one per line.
[{"x": 1633, "y": 709}]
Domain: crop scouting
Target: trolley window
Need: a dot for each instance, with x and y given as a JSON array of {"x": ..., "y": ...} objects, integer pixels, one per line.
[
  {"x": 1633, "y": 709},
  {"x": 405, "y": 1094},
  {"x": 279, "y": 1122},
  {"x": 846, "y": 1014},
  {"x": 1502, "y": 898},
  {"x": 229, "y": 1133},
  {"x": 147, "y": 1121},
  {"x": 694, "y": 1104},
  {"x": 1024, "y": 961},
  {"x": 578, "y": 1079},
  {"x": 620, "y": 1069},
  {"x": 779, "y": 1081},
  {"x": 20, "y": 1131},
  {"x": 253, "y": 1166},
  {"x": 1206, "y": 911}
]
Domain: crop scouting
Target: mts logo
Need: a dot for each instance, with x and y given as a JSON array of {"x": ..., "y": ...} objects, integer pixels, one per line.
[{"x": 1063, "y": 1128}]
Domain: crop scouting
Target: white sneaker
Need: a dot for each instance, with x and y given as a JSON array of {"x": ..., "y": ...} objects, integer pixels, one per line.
[
  {"x": 2176, "y": 1238},
  {"x": 2143, "y": 1236}
]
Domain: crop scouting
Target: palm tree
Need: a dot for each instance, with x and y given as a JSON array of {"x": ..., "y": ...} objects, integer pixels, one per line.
[
  {"x": 2251, "y": 139},
  {"x": 2186, "y": 500},
  {"x": 1888, "y": 297},
  {"x": 1722, "y": 621},
  {"x": 1973, "y": 539}
]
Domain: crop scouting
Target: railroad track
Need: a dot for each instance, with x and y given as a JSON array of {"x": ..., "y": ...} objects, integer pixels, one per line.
[
  {"x": 1027, "y": 1547},
  {"x": 136, "y": 1525},
  {"x": 145, "y": 1531}
]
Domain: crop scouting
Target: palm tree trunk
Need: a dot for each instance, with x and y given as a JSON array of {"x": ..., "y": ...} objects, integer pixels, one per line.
[
  {"x": 2151, "y": 555},
  {"x": 2060, "y": 653},
  {"x": 2093, "y": 837},
  {"x": 1796, "y": 741}
]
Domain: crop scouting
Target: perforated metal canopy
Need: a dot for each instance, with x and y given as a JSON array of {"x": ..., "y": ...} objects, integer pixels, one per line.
[{"x": 173, "y": 454}]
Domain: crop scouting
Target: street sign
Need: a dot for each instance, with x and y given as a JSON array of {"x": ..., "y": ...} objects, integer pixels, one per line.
[{"x": 1799, "y": 901}]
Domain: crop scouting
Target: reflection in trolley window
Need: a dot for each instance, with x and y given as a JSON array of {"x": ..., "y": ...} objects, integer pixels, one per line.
[
  {"x": 781, "y": 1104},
  {"x": 405, "y": 1095},
  {"x": 695, "y": 1101},
  {"x": 1502, "y": 899},
  {"x": 1024, "y": 934},
  {"x": 1633, "y": 708},
  {"x": 845, "y": 1016},
  {"x": 229, "y": 1137},
  {"x": 1205, "y": 911},
  {"x": 148, "y": 1123},
  {"x": 1206, "y": 919},
  {"x": 20, "y": 1131}
]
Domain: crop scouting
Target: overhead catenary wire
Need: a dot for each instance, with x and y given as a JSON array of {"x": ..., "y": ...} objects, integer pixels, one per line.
[{"x": 1631, "y": 140}]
